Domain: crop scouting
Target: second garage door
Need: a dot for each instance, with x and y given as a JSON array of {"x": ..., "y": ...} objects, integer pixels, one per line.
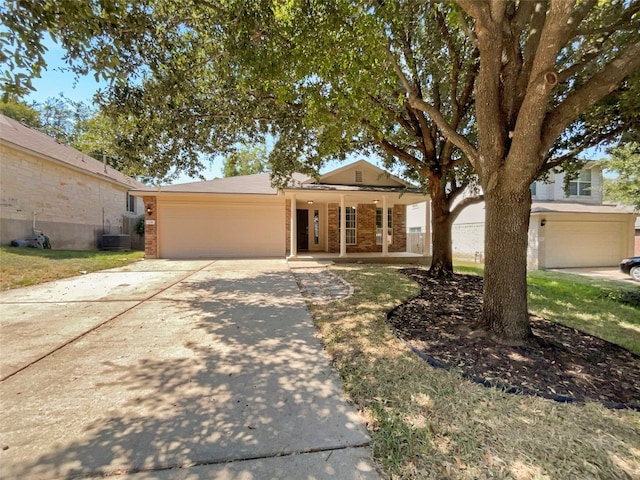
[
  {"x": 210, "y": 230},
  {"x": 584, "y": 243}
]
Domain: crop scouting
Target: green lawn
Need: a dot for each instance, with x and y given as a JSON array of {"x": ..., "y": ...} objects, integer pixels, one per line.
[
  {"x": 20, "y": 267},
  {"x": 429, "y": 423},
  {"x": 604, "y": 308}
]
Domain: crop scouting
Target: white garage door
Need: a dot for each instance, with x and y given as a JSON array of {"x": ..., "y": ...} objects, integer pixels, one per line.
[
  {"x": 584, "y": 244},
  {"x": 209, "y": 230}
]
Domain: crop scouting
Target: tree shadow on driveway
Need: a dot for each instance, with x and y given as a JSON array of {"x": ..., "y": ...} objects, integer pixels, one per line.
[{"x": 220, "y": 367}]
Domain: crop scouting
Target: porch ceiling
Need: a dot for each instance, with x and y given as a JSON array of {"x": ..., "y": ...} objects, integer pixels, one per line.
[{"x": 333, "y": 195}]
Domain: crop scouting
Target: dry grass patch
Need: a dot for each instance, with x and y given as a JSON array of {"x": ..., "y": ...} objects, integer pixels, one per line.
[
  {"x": 20, "y": 267},
  {"x": 428, "y": 423}
]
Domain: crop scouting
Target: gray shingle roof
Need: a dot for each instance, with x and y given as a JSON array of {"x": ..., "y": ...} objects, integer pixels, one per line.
[
  {"x": 15, "y": 133},
  {"x": 259, "y": 183}
]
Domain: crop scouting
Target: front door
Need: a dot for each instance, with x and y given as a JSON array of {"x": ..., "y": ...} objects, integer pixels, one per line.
[{"x": 302, "y": 221}]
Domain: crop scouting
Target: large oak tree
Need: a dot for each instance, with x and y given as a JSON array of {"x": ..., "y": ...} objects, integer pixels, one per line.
[{"x": 542, "y": 65}]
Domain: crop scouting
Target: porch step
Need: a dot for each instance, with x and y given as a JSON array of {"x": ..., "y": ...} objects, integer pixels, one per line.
[{"x": 325, "y": 259}]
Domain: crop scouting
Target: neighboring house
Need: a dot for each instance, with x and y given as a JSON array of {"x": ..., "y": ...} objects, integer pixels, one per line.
[
  {"x": 342, "y": 214},
  {"x": 50, "y": 187},
  {"x": 572, "y": 229}
]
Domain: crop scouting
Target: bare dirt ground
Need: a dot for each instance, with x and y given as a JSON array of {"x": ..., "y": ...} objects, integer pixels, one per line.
[{"x": 443, "y": 322}]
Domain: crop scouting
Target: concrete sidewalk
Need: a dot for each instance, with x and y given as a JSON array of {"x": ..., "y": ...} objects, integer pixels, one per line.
[{"x": 163, "y": 370}]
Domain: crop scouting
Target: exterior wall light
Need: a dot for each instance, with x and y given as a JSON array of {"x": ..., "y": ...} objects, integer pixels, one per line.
[
  {"x": 149, "y": 210},
  {"x": 543, "y": 222}
]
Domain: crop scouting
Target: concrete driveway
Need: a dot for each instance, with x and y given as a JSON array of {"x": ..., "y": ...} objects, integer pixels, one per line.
[
  {"x": 606, "y": 273},
  {"x": 172, "y": 370}
]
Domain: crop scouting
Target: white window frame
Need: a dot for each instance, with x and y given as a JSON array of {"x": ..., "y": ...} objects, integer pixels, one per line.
[
  {"x": 351, "y": 233},
  {"x": 389, "y": 226},
  {"x": 581, "y": 184},
  {"x": 131, "y": 203}
]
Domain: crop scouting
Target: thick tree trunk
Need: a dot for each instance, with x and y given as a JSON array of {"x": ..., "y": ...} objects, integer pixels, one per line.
[
  {"x": 441, "y": 261},
  {"x": 505, "y": 313}
]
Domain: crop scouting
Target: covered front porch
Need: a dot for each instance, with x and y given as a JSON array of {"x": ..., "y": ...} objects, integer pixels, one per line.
[
  {"x": 320, "y": 258},
  {"x": 357, "y": 213},
  {"x": 349, "y": 226}
]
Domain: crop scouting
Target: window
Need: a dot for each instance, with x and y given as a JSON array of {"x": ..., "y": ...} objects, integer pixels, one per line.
[
  {"x": 379, "y": 226},
  {"x": 350, "y": 219},
  {"x": 316, "y": 227},
  {"x": 533, "y": 189},
  {"x": 131, "y": 203},
  {"x": 581, "y": 186}
]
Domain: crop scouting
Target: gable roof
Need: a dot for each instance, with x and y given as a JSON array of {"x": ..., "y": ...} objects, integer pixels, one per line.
[
  {"x": 28, "y": 139},
  {"x": 361, "y": 174},
  {"x": 260, "y": 183}
]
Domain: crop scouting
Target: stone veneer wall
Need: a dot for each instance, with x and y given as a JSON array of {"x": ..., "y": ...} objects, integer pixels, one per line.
[
  {"x": 366, "y": 229},
  {"x": 74, "y": 209}
]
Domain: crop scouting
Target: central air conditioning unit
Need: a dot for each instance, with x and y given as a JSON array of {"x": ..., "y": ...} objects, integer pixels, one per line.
[{"x": 119, "y": 242}]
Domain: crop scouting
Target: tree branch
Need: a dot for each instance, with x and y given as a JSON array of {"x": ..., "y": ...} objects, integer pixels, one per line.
[
  {"x": 398, "y": 118},
  {"x": 416, "y": 102},
  {"x": 404, "y": 155},
  {"x": 531, "y": 114},
  {"x": 587, "y": 141},
  {"x": 623, "y": 21},
  {"x": 600, "y": 85},
  {"x": 464, "y": 203},
  {"x": 567, "y": 73},
  {"x": 522, "y": 16},
  {"x": 478, "y": 9},
  {"x": 455, "y": 58},
  {"x": 458, "y": 140}
]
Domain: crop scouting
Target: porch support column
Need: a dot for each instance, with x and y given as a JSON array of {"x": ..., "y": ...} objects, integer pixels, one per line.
[
  {"x": 293, "y": 246},
  {"x": 426, "y": 249},
  {"x": 343, "y": 228},
  {"x": 385, "y": 227}
]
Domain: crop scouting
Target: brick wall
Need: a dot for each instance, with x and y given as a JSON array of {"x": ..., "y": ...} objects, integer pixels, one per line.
[
  {"x": 399, "y": 229},
  {"x": 333, "y": 242},
  {"x": 150, "y": 229},
  {"x": 366, "y": 229},
  {"x": 73, "y": 208}
]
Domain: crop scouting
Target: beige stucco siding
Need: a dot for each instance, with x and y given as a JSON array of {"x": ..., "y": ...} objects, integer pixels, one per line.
[
  {"x": 71, "y": 207},
  {"x": 208, "y": 228}
]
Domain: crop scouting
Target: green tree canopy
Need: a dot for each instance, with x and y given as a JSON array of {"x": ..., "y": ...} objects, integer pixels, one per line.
[
  {"x": 625, "y": 161},
  {"x": 246, "y": 161},
  {"x": 21, "y": 111}
]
